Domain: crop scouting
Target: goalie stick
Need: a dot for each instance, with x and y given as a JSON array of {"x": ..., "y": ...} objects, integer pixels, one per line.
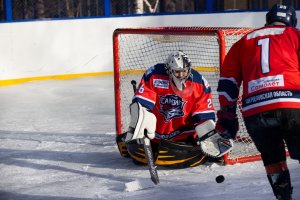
[{"x": 148, "y": 151}]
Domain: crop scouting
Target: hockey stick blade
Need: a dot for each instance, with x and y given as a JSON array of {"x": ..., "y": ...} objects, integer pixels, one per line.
[{"x": 150, "y": 161}]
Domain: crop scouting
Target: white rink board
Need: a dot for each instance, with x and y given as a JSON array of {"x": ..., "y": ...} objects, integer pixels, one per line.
[
  {"x": 45, "y": 48},
  {"x": 58, "y": 47}
]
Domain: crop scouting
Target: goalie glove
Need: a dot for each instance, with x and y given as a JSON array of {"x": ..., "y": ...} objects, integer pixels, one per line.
[
  {"x": 211, "y": 143},
  {"x": 142, "y": 124}
]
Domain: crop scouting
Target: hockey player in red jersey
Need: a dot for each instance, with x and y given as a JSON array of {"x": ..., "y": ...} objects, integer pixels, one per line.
[
  {"x": 266, "y": 62},
  {"x": 173, "y": 102}
]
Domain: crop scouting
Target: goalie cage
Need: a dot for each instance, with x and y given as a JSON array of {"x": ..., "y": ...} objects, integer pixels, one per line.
[{"x": 136, "y": 49}]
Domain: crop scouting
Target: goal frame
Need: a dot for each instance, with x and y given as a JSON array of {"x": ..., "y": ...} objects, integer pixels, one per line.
[{"x": 223, "y": 49}]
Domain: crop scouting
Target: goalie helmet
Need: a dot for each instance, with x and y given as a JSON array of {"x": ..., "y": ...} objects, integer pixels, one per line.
[
  {"x": 282, "y": 13},
  {"x": 179, "y": 68}
]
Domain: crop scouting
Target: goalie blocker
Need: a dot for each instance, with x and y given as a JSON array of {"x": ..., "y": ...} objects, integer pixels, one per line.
[{"x": 142, "y": 126}]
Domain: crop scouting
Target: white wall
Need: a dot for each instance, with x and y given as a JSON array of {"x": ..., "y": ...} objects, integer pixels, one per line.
[{"x": 45, "y": 48}]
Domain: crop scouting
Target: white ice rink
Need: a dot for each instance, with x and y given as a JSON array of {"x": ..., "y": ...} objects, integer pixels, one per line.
[{"x": 57, "y": 142}]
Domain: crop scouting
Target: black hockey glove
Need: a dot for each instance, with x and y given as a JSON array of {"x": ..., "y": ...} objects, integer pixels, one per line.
[{"x": 227, "y": 124}]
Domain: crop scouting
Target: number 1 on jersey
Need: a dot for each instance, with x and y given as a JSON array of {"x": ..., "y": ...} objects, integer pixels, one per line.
[{"x": 265, "y": 54}]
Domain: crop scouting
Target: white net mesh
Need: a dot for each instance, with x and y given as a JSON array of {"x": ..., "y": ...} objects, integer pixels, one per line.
[{"x": 139, "y": 50}]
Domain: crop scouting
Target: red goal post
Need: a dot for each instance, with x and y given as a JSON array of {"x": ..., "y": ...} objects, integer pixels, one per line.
[{"x": 136, "y": 49}]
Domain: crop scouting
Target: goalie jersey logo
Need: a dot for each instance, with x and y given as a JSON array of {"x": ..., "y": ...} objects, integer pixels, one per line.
[{"x": 171, "y": 106}]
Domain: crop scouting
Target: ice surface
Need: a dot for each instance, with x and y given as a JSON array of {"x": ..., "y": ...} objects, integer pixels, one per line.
[{"x": 57, "y": 142}]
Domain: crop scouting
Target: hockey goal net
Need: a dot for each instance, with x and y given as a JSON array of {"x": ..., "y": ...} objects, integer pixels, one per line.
[{"x": 137, "y": 49}]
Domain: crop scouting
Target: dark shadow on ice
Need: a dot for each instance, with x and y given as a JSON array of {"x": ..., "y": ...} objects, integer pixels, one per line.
[
  {"x": 28, "y": 164},
  {"x": 37, "y": 159},
  {"x": 68, "y": 138},
  {"x": 17, "y": 196}
]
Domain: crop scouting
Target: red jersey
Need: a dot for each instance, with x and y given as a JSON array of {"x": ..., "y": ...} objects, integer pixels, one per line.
[
  {"x": 266, "y": 60},
  {"x": 176, "y": 113}
]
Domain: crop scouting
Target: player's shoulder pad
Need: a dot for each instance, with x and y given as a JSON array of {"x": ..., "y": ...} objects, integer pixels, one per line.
[
  {"x": 158, "y": 69},
  {"x": 199, "y": 79},
  {"x": 292, "y": 29}
]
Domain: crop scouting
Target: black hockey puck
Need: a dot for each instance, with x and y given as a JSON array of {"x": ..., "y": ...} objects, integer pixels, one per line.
[{"x": 220, "y": 179}]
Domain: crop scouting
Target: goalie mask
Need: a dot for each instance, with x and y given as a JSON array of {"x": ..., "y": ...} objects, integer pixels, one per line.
[
  {"x": 282, "y": 13},
  {"x": 179, "y": 69}
]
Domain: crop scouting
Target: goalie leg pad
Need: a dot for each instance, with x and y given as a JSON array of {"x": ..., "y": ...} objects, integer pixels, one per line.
[
  {"x": 122, "y": 146},
  {"x": 177, "y": 156},
  {"x": 169, "y": 154},
  {"x": 141, "y": 121},
  {"x": 136, "y": 152}
]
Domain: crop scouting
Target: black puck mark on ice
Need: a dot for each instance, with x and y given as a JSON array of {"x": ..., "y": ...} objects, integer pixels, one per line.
[{"x": 220, "y": 179}]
